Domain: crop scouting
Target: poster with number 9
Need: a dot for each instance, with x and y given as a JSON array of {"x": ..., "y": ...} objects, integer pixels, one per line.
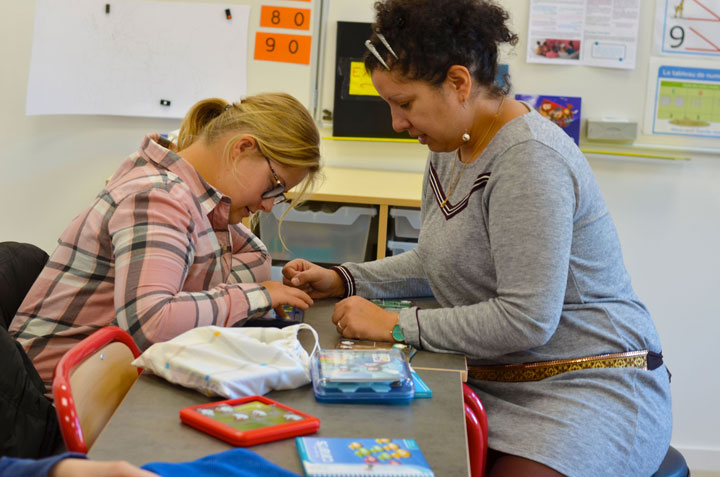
[{"x": 687, "y": 28}]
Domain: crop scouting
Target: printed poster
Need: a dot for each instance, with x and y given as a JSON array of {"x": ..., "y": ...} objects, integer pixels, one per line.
[
  {"x": 687, "y": 28},
  {"x": 684, "y": 98},
  {"x": 561, "y": 110},
  {"x": 584, "y": 32}
]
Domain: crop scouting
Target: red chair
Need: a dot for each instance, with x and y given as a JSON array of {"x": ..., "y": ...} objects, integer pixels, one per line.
[
  {"x": 89, "y": 383},
  {"x": 477, "y": 431}
]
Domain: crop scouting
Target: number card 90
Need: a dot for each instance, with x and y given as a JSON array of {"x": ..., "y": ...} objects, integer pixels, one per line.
[{"x": 282, "y": 47}]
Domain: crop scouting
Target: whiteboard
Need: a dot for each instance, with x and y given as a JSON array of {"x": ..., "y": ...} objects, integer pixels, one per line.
[
  {"x": 157, "y": 58},
  {"x": 605, "y": 92}
]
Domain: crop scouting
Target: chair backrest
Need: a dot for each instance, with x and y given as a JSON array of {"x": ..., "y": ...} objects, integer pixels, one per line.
[
  {"x": 477, "y": 431},
  {"x": 89, "y": 383}
]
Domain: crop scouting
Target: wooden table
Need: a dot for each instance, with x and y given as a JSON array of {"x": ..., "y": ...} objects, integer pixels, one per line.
[{"x": 146, "y": 426}]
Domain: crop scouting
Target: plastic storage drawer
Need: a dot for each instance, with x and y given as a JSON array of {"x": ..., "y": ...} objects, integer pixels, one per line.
[
  {"x": 396, "y": 247},
  {"x": 406, "y": 223},
  {"x": 323, "y": 236}
]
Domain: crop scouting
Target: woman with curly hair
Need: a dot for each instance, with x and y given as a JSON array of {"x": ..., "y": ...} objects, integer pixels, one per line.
[{"x": 518, "y": 248}]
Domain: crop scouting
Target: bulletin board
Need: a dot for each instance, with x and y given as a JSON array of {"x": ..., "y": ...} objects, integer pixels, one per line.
[
  {"x": 358, "y": 110},
  {"x": 607, "y": 93},
  {"x": 333, "y": 12}
]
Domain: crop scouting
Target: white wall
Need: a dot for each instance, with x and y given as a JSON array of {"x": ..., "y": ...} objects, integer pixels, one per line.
[
  {"x": 668, "y": 217},
  {"x": 50, "y": 166},
  {"x": 667, "y": 213}
]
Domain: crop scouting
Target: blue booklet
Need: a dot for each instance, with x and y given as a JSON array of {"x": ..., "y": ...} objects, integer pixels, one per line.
[
  {"x": 422, "y": 390},
  {"x": 381, "y": 457}
]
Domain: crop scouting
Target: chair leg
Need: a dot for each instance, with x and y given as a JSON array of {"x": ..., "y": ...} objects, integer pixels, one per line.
[
  {"x": 473, "y": 401},
  {"x": 476, "y": 452}
]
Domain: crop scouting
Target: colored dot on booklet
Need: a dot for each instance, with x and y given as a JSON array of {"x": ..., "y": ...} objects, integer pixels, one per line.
[{"x": 217, "y": 333}]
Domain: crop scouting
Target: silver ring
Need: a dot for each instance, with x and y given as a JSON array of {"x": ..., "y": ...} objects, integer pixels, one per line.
[{"x": 340, "y": 326}]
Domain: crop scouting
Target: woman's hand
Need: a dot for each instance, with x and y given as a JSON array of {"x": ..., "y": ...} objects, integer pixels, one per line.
[
  {"x": 358, "y": 318},
  {"x": 284, "y": 295},
  {"x": 317, "y": 281}
]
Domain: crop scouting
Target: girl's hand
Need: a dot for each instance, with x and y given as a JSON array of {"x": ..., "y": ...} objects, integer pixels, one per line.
[
  {"x": 284, "y": 295},
  {"x": 317, "y": 281}
]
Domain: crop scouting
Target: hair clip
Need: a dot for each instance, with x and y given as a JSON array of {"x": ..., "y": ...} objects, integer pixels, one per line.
[
  {"x": 387, "y": 45},
  {"x": 372, "y": 49},
  {"x": 228, "y": 106}
]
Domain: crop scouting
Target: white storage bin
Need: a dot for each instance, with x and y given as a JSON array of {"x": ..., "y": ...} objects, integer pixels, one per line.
[
  {"x": 406, "y": 223},
  {"x": 396, "y": 247},
  {"x": 325, "y": 236},
  {"x": 276, "y": 274}
]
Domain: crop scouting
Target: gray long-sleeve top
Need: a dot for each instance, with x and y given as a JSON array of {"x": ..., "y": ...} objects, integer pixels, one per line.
[{"x": 524, "y": 259}]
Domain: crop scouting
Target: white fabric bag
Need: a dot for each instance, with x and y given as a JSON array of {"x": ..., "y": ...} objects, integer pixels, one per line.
[{"x": 232, "y": 362}]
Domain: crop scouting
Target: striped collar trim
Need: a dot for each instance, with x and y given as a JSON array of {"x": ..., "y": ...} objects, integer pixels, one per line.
[{"x": 450, "y": 210}]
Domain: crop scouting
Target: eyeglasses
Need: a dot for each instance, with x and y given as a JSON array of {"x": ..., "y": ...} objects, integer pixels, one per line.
[{"x": 278, "y": 191}]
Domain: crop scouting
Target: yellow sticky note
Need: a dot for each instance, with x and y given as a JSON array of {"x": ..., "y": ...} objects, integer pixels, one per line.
[{"x": 360, "y": 82}]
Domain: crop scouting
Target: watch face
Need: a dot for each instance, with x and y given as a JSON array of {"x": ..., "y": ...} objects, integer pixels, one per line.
[{"x": 398, "y": 334}]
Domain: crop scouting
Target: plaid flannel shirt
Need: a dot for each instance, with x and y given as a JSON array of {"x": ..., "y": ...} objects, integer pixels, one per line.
[{"x": 154, "y": 254}]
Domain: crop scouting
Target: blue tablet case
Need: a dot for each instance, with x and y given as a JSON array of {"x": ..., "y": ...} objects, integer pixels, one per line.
[{"x": 367, "y": 376}]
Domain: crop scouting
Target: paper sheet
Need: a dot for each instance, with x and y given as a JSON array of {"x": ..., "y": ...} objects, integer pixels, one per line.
[
  {"x": 683, "y": 98},
  {"x": 687, "y": 28},
  {"x": 134, "y": 58},
  {"x": 584, "y": 32}
]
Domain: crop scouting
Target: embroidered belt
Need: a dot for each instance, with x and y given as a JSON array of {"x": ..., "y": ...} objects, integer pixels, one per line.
[{"x": 544, "y": 369}]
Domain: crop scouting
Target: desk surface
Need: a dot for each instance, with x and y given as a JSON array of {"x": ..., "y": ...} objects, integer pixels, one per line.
[
  {"x": 365, "y": 186},
  {"x": 146, "y": 427},
  {"x": 319, "y": 317}
]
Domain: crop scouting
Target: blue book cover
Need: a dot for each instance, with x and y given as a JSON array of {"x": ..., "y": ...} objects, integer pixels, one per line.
[
  {"x": 381, "y": 457},
  {"x": 562, "y": 110},
  {"x": 422, "y": 390}
]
